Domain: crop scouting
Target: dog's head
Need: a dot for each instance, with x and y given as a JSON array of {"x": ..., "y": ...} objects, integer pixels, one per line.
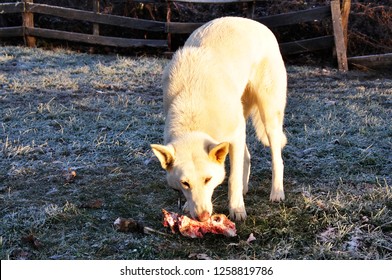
[{"x": 195, "y": 166}]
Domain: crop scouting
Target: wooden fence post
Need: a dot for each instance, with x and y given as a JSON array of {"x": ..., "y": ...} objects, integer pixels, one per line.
[
  {"x": 249, "y": 9},
  {"x": 168, "y": 19},
  {"x": 338, "y": 35},
  {"x": 252, "y": 9},
  {"x": 96, "y": 10},
  {"x": 345, "y": 14},
  {"x": 28, "y": 22}
]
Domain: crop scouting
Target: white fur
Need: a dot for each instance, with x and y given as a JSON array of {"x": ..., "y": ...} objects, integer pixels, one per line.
[{"x": 228, "y": 70}]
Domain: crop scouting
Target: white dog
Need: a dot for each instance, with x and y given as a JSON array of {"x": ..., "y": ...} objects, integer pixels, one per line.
[{"x": 228, "y": 70}]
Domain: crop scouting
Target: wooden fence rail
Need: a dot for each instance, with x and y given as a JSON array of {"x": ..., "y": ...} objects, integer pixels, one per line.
[{"x": 28, "y": 8}]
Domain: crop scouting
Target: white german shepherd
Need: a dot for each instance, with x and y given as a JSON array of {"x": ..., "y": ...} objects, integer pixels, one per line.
[{"x": 229, "y": 69}]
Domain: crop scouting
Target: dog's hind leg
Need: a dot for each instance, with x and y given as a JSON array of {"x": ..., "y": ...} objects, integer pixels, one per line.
[
  {"x": 271, "y": 102},
  {"x": 236, "y": 179},
  {"x": 272, "y": 116},
  {"x": 276, "y": 139},
  {"x": 273, "y": 123}
]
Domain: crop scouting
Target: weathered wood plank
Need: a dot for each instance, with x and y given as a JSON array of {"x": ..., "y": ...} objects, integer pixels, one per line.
[
  {"x": 338, "y": 35},
  {"x": 93, "y": 39},
  {"x": 302, "y": 46},
  {"x": 194, "y": 1},
  {"x": 212, "y": 1},
  {"x": 182, "y": 27},
  {"x": 11, "y": 31},
  {"x": 11, "y": 8},
  {"x": 140, "y": 24},
  {"x": 372, "y": 61},
  {"x": 296, "y": 17},
  {"x": 307, "y": 45},
  {"x": 270, "y": 21}
]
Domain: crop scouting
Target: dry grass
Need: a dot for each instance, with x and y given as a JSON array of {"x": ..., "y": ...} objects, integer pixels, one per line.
[{"x": 74, "y": 142}]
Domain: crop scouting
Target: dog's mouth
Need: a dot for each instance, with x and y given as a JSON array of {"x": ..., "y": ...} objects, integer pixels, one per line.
[{"x": 181, "y": 203}]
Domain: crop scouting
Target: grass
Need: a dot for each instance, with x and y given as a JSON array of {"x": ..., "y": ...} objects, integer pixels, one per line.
[{"x": 74, "y": 143}]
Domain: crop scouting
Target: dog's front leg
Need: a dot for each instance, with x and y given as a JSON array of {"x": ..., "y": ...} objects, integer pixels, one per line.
[
  {"x": 246, "y": 171},
  {"x": 236, "y": 180}
]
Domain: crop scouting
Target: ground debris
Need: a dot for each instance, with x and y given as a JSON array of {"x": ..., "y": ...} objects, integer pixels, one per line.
[
  {"x": 133, "y": 226},
  {"x": 32, "y": 241},
  {"x": 92, "y": 204},
  {"x": 199, "y": 256},
  {"x": 69, "y": 175}
]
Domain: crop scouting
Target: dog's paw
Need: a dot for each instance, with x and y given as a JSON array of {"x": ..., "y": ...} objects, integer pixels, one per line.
[
  {"x": 237, "y": 207},
  {"x": 277, "y": 196},
  {"x": 238, "y": 214}
]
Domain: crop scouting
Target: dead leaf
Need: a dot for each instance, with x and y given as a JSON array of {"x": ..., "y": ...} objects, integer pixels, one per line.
[
  {"x": 365, "y": 219},
  {"x": 196, "y": 256},
  {"x": 69, "y": 175},
  {"x": 251, "y": 238},
  {"x": 19, "y": 254},
  {"x": 329, "y": 103},
  {"x": 128, "y": 225},
  {"x": 355, "y": 240},
  {"x": 321, "y": 204},
  {"x": 92, "y": 204},
  {"x": 327, "y": 235},
  {"x": 32, "y": 241}
]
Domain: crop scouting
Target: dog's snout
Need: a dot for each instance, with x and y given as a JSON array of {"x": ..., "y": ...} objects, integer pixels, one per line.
[{"x": 204, "y": 216}]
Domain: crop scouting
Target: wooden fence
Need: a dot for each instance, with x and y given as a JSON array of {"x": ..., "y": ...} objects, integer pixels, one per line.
[{"x": 28, "y": 8}]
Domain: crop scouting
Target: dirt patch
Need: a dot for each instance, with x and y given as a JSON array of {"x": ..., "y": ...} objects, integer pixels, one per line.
[{"x": 74, "y": 142}]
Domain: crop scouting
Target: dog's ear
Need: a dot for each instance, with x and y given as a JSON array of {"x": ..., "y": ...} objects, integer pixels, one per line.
[
  {"x": 219, "y": 152},
  {"x": 165, "y": 154}
]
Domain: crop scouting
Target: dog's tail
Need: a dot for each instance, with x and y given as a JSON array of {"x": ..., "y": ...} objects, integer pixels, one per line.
[{"x": 259, "y": 127}]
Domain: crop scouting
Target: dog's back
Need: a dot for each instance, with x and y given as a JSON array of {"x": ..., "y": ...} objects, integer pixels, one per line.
[{"x": 227, "y": 60}]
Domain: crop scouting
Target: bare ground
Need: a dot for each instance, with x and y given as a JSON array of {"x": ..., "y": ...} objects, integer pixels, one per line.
[{"x": 74, "y": 142}]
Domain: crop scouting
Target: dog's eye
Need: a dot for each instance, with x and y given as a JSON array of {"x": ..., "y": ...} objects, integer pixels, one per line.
[
  {"x": 185, "y": 184},
  {"x": 206, "y": 180}
]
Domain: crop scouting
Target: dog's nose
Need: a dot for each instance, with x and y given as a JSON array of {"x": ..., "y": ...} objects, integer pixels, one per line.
[{"x": 204, "y": 216}]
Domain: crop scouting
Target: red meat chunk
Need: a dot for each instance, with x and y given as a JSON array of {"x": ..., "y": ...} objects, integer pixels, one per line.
[{"x": 216, "y": 224}]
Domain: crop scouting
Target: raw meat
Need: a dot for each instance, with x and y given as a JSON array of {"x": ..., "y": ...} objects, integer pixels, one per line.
[{"x": 216, "y": 224}]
